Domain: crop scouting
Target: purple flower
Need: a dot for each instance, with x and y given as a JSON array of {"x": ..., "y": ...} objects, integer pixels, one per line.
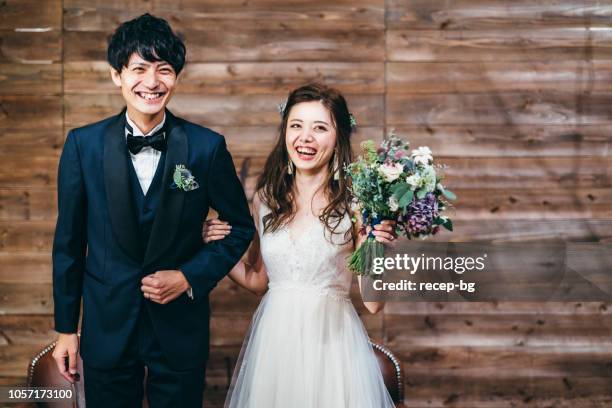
[{"x": 420, "y": 215}]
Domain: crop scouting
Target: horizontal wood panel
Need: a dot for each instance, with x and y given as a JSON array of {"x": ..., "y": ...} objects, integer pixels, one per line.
[
  {"x": 576, "y": 309},
  {"x": 504, "y": 109},
  {"x": 20, "y": 14},
  {"x": 28, "y": 204},
  {"x": 240, "y": 78},
  {"x": 525, "y": 172},
  {"x": 26, "y": 267},
  {"x": 30, "y": 79},
  {"x": 229, "y": 15},
  {"x": 477, "y": 140},
  {"x": 525, "y": 230},
  {"x": 28, "y": 171},
  {"x": 592, "y": 332},
  {"x": 506, "y": 362},
  {"x": 30, "y": 113},
  {"x": 26, "y": 298},
  {"x": 215, "y": 110},
  {"x": 250, "y": 45},
  {"x": 556, "y": 203},
  {"x": 491, "y": 392},
  {"x": 493, "y": 77},
  {"x": 497, "y": 15},
  {"x": 528, "y": 44},
  {"x": 30, "y": 47}
]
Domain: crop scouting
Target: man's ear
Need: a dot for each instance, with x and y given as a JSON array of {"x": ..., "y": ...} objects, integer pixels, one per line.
[{"x": 115, "y": 76}]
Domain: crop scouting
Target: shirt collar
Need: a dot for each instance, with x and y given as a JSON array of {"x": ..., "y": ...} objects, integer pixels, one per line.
[{"x": 137, "y": 131}]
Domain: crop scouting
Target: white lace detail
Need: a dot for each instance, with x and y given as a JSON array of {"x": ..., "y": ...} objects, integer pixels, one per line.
[{"x": 314, "y": 261}]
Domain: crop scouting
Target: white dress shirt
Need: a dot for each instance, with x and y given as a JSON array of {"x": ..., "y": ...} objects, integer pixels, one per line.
[{"x": 146, "y": 161}]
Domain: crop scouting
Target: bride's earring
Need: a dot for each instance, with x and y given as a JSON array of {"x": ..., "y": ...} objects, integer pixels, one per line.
[
  {"x": 336, "y": 168},
  {"x": 289, "y": 167}
]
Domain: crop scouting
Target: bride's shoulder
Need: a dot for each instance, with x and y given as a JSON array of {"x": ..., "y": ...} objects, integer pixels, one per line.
[{"x": 259, "y": 206}]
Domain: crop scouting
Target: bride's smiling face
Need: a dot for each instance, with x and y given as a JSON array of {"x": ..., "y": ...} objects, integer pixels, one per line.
[{"x": 310, "y": 136}]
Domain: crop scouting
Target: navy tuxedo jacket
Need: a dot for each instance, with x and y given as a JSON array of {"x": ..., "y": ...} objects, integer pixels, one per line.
[{"x": 99, "y": 256}]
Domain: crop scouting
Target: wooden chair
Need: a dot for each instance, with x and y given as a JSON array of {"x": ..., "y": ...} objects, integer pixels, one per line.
[{"x": 42, "y": 372}]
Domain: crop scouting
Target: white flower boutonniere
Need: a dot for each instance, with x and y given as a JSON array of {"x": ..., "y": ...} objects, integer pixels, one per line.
[{"x": 183, "y": 179}]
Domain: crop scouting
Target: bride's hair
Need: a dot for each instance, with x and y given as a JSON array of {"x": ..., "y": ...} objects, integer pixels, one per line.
[{"x": 275, "y": 185}]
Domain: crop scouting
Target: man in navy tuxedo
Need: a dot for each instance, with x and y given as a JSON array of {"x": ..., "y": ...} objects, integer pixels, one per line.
[{"x": 133, "y": 192}]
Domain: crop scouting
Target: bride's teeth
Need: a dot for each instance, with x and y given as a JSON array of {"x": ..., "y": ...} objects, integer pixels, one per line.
[{"x": 307, "y": 151}]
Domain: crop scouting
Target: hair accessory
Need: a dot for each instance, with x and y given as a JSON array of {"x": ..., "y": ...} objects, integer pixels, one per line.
[{"x": 281, "y": 107}]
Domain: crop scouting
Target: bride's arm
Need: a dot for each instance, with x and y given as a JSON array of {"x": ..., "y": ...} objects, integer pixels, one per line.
[
  {"x": 384, "y": 233},
  {"x": 250, "y": 271}
]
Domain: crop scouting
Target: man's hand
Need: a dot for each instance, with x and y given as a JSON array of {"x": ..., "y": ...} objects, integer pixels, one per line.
[
  {"x": 67, "y": 347},
  {"x": 164, "y": 286}
]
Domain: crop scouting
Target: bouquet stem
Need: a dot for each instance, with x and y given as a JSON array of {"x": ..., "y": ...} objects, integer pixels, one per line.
[{"x": 362, "y": 259}]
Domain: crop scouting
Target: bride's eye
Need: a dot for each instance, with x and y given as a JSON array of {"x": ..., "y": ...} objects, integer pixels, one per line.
[
  {"x": 321, "y": 128},
  {"x": 295, "y": 126}
]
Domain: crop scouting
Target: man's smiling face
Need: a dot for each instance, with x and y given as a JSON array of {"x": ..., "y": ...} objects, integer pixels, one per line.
[{"x": 146, "y": 86}]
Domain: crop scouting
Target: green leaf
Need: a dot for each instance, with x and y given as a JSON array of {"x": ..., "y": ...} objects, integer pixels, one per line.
[
  {"x": 448, "y": 224},
  {"x": 399, "y": 189},
  {"x": 177, "y": 177},
  {"x": 438, "y": 221},
  {"x": 449, "y": 194},
  {"x": 421, "y": 193},
  {"x": 406, "y": 198}
]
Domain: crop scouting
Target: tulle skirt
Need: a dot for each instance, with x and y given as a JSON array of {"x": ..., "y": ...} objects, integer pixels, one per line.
[{"x": 307, "y": 348}]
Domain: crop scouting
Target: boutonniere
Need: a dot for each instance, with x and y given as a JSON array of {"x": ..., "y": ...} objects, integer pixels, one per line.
[{"x": 183, "y": 179}]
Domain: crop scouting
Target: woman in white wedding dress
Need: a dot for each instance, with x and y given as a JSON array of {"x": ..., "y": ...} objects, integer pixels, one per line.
[{"x": 306, "y": 346}]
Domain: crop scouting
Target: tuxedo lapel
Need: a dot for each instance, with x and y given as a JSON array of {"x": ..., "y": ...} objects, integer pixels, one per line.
[
  {"x": 171, "y": 201},
  {"x": 117, "y": 185}
]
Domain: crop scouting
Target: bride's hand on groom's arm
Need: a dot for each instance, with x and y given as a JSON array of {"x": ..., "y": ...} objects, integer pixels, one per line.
[
  {"x": 164, "y": 286},
  {"x": 214, "y": 230}
]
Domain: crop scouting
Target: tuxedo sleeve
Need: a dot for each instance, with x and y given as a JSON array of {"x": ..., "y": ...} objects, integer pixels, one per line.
[
  {"x": 214, "y": 260},
  {"x": 70, "y": 241}
]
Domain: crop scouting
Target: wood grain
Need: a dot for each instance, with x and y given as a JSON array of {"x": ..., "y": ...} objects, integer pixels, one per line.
[
  {"x": 520, "y": 44},
  {"x": 503, "y": 109},
  {"x": 491, "y": 77},
  {"x": 210, "y": 15},
  {"x": 240, "y": 78},
  {"x": 250, "y": 45},
  {"x": 498, "y": 15}
]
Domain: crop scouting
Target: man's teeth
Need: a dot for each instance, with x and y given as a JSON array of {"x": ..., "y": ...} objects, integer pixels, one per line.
[{"x": 150, "y": 95}]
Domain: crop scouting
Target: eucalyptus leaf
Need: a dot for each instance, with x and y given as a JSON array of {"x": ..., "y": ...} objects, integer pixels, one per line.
[{"x": 449, "y": 194}]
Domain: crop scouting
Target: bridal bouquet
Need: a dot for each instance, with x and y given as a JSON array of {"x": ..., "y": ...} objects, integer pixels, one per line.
[{"x": 393, "y": 183}]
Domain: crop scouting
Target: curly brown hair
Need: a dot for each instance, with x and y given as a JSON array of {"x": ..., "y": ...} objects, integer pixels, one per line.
[{"x": 275, "y": 186}]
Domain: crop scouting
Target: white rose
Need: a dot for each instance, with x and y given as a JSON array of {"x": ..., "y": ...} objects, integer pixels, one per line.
[
  {"x": 422, "y": 155},
  {"x": 413, "y": 181},
  {"x": 393, "y": 203},
  {"x": 391, "y": 171}
]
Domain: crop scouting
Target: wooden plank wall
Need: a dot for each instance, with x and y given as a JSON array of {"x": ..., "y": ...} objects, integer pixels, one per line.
[{"x": 513, "y": 95}]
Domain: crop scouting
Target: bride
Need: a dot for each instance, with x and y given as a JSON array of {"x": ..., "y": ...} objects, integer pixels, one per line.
[{"x": 306, "y": 346}]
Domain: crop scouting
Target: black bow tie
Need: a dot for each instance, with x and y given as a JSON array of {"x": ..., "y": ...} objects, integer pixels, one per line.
[{"x": 157, "y": 141}]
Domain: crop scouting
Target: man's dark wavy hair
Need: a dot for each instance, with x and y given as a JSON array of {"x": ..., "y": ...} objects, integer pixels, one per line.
[{"x": 149, "y": 36}]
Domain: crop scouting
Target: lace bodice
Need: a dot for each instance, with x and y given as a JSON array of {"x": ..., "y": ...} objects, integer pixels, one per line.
[{"x": 314, "y": 260}]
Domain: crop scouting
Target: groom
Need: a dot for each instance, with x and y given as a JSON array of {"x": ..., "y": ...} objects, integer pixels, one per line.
[{"x": 133, "y": 192}]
